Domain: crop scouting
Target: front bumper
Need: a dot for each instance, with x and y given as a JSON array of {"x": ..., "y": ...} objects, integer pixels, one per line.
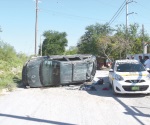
[{"x": 124, "y": 87}]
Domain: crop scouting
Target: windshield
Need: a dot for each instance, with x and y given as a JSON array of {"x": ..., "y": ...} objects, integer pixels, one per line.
[{"x": 130, "y": 67}]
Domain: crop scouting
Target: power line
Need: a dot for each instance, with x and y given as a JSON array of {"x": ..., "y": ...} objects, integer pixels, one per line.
[
  {"x": 69, "y": 15},
  {"x": 117, "y": 13}
]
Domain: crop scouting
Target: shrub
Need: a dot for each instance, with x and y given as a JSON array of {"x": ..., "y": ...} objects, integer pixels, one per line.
[{"x": 11, "y": 65}]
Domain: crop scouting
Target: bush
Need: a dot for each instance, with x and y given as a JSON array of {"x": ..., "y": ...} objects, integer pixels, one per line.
[{"x": 11, "y": 65}]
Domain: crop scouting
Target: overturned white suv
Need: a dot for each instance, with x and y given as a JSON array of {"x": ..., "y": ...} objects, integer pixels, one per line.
[{"x": 129, "y": 76}]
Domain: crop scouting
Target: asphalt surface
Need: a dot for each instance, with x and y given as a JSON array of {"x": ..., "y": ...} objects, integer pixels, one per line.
[{"x": 70, "y": 106}]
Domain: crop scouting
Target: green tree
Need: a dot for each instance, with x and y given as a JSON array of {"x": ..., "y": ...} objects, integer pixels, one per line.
[
  {"x": 71, "y": 51},
  {"x": 54, "y": 43},
  {"x": 107, "y": 45},
  {"x": 144, "y": 37},
  {"x": 128, "y": 41},
  {"x": 120, "y": 38},
  {"x": 88, "y": 43},
  {"x": 104, "y": 41},
  {"x": 11, "y": 65},
  {"x": 7, "y": 52}
]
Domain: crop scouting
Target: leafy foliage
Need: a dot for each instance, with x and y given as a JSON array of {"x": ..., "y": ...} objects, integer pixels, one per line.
[
  {"x": 54, "y": 43},
  {"x": 71, "y": 51},
  {"x": 10, "y": 65},
  {"x": 106, "y": 46},
  {"x": 89, "y": 42},
  {"x": 104, "y": 41},
  {"x": 130, "y": 41}
]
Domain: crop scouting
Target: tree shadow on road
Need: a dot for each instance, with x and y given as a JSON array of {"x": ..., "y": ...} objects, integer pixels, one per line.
[{"x": 34, "y": 119}]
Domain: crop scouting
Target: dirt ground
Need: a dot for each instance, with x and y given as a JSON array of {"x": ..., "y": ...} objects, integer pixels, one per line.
[{"x": 70, "y": 106}]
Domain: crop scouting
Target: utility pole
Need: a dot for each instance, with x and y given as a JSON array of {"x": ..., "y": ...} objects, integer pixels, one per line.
[
  {"x": 126, "y": 17},
  {"x": 126, "y": 36},
  {"x": 127, "y": 2},
  {"x": 36, "y": 25}
]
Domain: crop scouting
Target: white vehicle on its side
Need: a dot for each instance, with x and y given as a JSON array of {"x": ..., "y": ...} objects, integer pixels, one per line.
[{"x": 129, "y": 76}]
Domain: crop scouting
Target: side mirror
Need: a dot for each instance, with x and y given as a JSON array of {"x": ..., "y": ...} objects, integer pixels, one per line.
[{"x": 111, "y": 70}]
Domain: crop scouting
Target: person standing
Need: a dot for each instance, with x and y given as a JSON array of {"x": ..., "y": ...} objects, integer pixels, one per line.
[
  {"x": 132, "y": 57},
  {"x": 147, "y": 63},
  {"x": 141, "y": 60}
]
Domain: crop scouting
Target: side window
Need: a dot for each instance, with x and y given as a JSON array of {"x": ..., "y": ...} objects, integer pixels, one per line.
[{"x": 48, "y": 63}]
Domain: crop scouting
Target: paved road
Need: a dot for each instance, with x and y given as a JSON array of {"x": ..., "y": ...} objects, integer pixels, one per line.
[{"x": 69, "y": 106}]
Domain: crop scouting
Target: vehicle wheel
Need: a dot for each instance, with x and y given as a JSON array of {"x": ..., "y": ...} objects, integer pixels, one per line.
[{"x": 113, "y": 90}]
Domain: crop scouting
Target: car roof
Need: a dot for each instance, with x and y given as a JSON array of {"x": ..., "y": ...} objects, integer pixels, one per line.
[{"x": 127, "y": 61}]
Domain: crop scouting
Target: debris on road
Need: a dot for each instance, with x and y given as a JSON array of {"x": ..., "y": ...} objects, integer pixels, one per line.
[
  {"x": 87, "y": 87},
  {"x": 105, "y": 88},
  {"x": 99, "y": 82}
]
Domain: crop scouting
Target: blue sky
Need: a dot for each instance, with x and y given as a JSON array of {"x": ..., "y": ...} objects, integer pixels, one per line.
[{"x": 17, "y": 18}]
